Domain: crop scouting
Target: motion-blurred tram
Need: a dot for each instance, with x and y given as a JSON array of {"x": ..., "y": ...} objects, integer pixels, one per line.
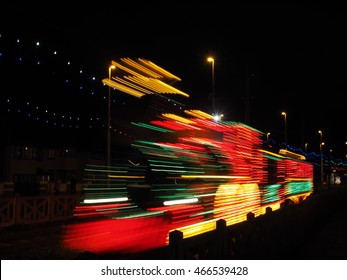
[
  {"x": 183, "y": 172},
  {"x": 213, "y": 171}
]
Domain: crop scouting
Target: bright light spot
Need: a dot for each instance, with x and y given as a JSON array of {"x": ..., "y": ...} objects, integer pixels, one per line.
[
  {"x": 104, "y": 200},
  {"x": 180, "y": 201},
  {"x": 218, "y": 117}
]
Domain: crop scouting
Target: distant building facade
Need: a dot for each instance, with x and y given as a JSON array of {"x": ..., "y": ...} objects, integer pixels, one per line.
[{"x": 28, "y": 170}]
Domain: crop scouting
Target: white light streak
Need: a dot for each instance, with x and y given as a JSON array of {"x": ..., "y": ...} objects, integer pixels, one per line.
[{"x": 105, "y": 200}]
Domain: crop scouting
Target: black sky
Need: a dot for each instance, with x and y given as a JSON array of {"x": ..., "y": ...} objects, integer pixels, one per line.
[{"x": 292, "y": 57}]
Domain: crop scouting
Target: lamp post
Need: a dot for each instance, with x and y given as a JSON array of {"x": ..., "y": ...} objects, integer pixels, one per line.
[
  {"x": 211, "y": 59},
  {"x": 267, "y": 138},
  {"x": 285, "y": 128},
  {"x": 109, "y": 119},
  {"x": 321, "y": 156},
  {"x": 330, "y": 176}
]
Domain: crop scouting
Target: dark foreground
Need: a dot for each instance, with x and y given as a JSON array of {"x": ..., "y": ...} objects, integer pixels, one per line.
[{"x": 322, "y": 237}]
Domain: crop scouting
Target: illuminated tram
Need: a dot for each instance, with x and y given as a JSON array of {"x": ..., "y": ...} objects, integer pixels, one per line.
[{"x": 183, "y": 172}]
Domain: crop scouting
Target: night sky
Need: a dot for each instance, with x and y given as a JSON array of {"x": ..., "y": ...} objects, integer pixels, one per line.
[{"x": 274, "y": 57}]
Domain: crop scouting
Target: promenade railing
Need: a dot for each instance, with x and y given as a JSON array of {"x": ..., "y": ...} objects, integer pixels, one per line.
[{"x": 25, "y": 210}]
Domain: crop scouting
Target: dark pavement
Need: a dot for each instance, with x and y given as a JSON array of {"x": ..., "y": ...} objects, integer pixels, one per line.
[
  {"x": 34, "y": 242},
  {"x": 329, "y": 240}
]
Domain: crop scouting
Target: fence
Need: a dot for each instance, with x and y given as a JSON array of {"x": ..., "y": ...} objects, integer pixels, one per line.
[
  {"x": 25, "y": 210},
  {"x": 275, "y": 235}
]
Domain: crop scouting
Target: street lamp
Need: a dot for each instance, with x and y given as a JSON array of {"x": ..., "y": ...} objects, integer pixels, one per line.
[
  {"x": 321, "y": 156},
  {"x": 267, "y": 138},
  {"x": 211, "y": 59},
  {"x": 109, "y": 119},
  {"x": 285, "y": 128}
]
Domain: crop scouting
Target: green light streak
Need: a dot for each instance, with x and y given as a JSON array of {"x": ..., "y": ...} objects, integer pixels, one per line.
[
  {"x": 271, "y": 193},
  {"x": 164, "y": 161},
  {"x": 156, "y": 128},
  {"x": 138, "y": 215},
  {"x": 160, "y": 165},
  {"x": 169, "y": 170},
  {"x": 272, "y": 157},
  {"x": 298, "y": 187}
]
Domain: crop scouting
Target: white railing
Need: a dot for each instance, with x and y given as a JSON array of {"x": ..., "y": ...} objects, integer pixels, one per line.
[{"x": 24, "y": 210}]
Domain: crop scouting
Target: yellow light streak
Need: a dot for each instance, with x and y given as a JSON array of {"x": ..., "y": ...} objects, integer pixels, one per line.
[
  {"x": 271, "y": 153},
  {"x": 155, "y": 85},
  {"x": 291, "y": 154},
  {"x": 199, "y": 114},
  {"x": 174, "y": 90},
  {"x": 146, "y": 83},
  {"x": 132, "y": 85},
  {"x": 297, "y": 198},
  {"x": 159, "y": 69},
  {"x": 141, "y": 68},
  {"x": 234, "y": 201},
  {"x": 299, "y": 179},
  {"x": 178, "y": 118},
  {"x": 123, "y": 88},
  {"x": 126, "y": 69},
  {"x": 197, "y": 228}
]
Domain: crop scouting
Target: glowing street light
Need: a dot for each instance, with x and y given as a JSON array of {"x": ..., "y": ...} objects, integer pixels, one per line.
[
  {"x": 285, "y": 127},
  {"x": 109, "y": 119},
  {"x": 211, "y": 59},
  {"x": 218, "y": 117},
  {"x": 267, "y": 138},
  {"x": 321, "y": 156}
]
